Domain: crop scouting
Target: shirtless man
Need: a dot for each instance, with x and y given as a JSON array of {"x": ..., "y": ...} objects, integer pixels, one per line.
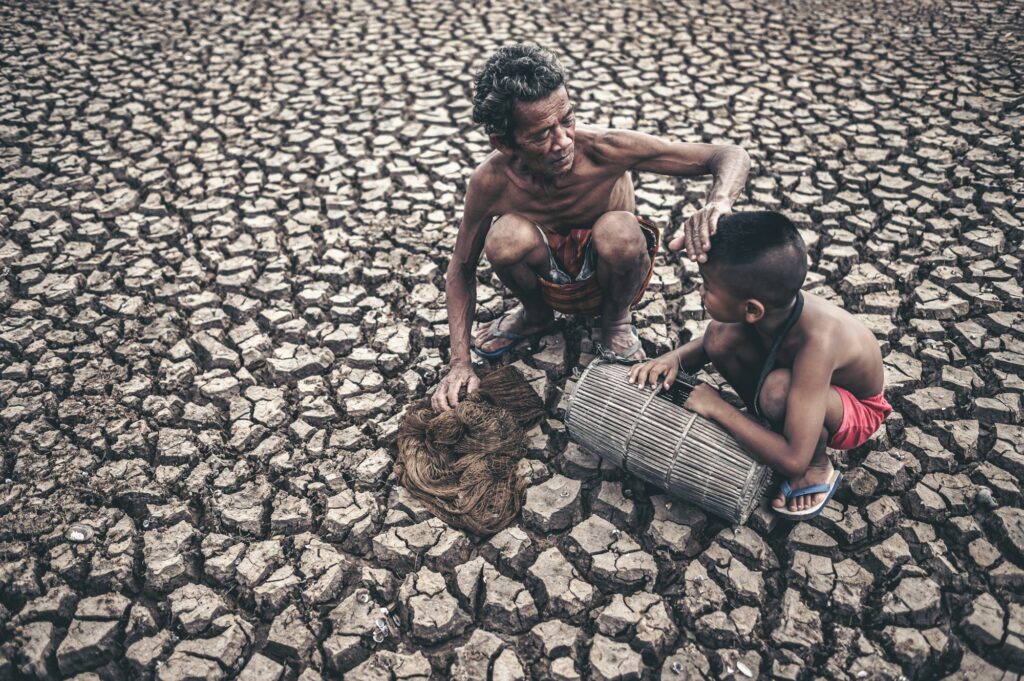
[{"x": 554, "y": 211}]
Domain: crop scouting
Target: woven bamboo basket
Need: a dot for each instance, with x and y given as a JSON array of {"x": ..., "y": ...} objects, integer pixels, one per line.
[{"x": 651, "y": 435}]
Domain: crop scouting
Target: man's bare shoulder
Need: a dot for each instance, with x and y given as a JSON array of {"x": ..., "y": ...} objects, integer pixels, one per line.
[
  {"x": 491, "y": 175},
  {"x": 487, "y": 190}
]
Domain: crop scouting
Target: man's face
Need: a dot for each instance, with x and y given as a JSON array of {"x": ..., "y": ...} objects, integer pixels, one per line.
[{"x": 545, "y": 132}]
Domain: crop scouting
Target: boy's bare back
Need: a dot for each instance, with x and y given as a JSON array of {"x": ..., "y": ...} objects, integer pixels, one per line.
[{"x": 826, "y": 328}]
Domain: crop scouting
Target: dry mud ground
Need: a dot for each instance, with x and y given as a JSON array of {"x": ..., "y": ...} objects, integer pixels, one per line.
[{"x": 223, "y": 234}]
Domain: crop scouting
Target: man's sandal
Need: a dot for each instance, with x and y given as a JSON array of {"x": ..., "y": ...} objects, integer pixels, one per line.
[
  {"x": 608, "y": 355},
  {"x": 516, "y": 338},
  {"x": 806, "y": 514}
]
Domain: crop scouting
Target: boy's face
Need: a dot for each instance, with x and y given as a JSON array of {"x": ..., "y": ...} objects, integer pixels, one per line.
[{"x": 718, "y": 299}]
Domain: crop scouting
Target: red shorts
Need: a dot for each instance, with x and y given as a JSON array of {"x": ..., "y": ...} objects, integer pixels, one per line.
[{"x": 861, "y": 418}]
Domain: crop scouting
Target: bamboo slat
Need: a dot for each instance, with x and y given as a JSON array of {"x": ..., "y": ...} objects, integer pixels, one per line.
[{"x": 651, "y": 435}]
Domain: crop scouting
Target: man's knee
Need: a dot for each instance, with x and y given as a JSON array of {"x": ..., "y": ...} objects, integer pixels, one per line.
[
  {"x": 774, "y": 393},
  {"x": 510, "y": 240},
  {"x": 618, "y": 238}
]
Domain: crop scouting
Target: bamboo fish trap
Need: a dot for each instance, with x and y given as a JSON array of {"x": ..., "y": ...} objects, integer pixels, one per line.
[{"x": 651, "y": 435}]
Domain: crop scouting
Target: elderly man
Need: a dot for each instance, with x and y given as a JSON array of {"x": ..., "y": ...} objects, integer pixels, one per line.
[{"x": 553, "y": 209}]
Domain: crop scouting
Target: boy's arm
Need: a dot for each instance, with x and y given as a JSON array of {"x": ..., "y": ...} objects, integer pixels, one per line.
[{"x": 790, "y": 452}]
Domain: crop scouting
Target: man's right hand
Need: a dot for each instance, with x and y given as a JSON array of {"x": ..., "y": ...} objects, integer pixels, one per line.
[
  {"x": 695, "y": 236},
  {"x": 446, "y": 395}
]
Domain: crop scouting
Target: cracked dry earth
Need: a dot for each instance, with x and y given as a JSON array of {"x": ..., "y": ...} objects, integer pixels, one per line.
[{"x": 223, "y": 235}]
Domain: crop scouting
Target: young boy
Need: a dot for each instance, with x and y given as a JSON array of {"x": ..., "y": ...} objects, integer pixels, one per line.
[{"x": 810, "y": 369}]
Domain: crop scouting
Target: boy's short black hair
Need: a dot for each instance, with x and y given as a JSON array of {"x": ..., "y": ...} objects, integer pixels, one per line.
[{"x": 760, "y": 255}]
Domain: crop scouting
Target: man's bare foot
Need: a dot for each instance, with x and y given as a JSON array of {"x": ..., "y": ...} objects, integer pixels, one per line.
[
  {"x": 619, "y": 338},
  {"x": 517, "y": 323},
  {"x": 816, "y": 474}
]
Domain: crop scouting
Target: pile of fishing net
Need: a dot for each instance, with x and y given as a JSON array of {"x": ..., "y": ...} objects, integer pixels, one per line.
[{"x": 462, "y": 464}]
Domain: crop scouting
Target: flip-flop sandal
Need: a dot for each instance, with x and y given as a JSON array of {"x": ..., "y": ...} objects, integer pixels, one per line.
[
  {"x": 516, "y": 338},
  {"x": 789, "y": 493},
  {"x": 608, "y": 355}
]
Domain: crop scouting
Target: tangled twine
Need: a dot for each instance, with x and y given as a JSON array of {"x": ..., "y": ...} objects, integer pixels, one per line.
[{"x": 461, "y": 464}]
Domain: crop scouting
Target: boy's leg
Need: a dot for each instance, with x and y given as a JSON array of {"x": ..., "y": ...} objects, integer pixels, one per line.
[
  {"x": 774, "y": 394},
  {"x": 738, "y": 355}
]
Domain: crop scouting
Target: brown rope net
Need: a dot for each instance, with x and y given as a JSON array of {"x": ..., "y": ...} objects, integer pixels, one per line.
[{"x": 462, "y": 464}]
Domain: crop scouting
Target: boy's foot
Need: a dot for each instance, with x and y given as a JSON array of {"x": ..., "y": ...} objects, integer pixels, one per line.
[
  {"x": 816, "y": 474},
  {"x": 507, "y": 330}
]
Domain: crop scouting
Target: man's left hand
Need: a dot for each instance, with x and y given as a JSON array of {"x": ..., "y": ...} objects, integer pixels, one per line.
[
  {"x": 705, "y": 400},
  {"x": 698, "y": 229}
]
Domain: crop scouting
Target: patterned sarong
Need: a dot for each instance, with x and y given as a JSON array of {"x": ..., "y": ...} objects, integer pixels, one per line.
[{"x": 575, "y": 255}]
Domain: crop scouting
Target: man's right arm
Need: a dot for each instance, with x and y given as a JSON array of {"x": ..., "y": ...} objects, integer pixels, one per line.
[
  {"x": 727, "y": 163},
  {"x": 460, "y": 289}
]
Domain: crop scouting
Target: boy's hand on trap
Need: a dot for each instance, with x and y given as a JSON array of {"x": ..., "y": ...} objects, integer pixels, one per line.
[
  {"x": 705, "y": 400},
  {"x": 664, "y": 368}
]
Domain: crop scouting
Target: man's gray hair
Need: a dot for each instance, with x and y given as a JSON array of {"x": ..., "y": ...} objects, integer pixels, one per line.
[{"x": 515, "y": 73}]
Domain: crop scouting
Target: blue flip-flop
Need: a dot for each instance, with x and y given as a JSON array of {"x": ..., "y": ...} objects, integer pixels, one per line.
[
  {"x": 789, "y": 493},
  {"x": 516, "y": 338}
]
